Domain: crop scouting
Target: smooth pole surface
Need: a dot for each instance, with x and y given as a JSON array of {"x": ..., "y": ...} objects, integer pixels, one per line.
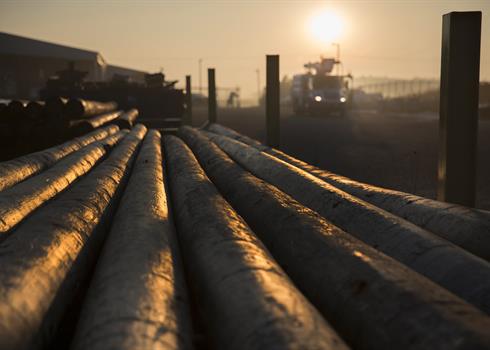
[
  {"x": 458, "y": 121},
  {"x": 188, "y": 100},
  {"x": 211, "y": 96},
  {"x": 272, "y": 101}
]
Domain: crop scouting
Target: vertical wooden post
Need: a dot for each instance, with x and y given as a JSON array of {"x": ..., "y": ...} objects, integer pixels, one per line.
[
  {"x": 211, "y": 96},
  {"x": 272, "y": 101},
  {"x": 188, "y": 100},
  {"x": 458, "y": 113}
]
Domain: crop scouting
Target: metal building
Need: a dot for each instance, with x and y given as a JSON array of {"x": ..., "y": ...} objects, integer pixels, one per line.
[{"x": 26, "y": 64}]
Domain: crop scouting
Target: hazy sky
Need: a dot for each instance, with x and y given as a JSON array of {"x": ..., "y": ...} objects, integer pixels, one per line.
[{"x": 379, "y": 38}]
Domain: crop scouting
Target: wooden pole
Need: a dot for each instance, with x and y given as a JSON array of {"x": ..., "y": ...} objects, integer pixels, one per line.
[
  {"x": 272, "y": 101},
  {"x": 317, "y": 255},
  {"x": 188, "y": 100},
  {"x": 454, "y": 223},
  {"x": 458, "y": 121},
  {"x": 211, "y": 96}
]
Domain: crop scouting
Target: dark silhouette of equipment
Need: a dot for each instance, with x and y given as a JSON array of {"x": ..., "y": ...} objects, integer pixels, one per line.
[
  {"x": 233, "y": 99},
  {"x": 156, "y": 100}
]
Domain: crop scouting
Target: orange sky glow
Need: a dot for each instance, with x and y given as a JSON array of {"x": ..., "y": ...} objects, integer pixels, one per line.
[{"x": 377, "y": 38}]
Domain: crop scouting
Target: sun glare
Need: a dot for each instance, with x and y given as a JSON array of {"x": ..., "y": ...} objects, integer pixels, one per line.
[{"x": 326, "y": 27}]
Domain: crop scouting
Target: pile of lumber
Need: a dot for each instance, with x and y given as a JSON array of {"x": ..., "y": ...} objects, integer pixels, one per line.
[
  {"x": 28, "y": 126},
  {"x": 127, "y": 239}
]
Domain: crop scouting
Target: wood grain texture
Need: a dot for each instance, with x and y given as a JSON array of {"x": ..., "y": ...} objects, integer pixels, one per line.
[
  {"x": 372, "y": 300},
  {"x": 245, "y": 298},
  {"x": 19, "y": 169},
  {"x": 137, "y": 297},
  {"x": 48, "y": 258}
]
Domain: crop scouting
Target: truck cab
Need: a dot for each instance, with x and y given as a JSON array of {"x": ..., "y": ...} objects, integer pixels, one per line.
[
  {"x": 320, "y": 92},
  {"x": 327, "y": 93}
]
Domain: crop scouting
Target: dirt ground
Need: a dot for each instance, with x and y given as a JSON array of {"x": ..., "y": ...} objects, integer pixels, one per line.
[{"x": 392, "y": 150}]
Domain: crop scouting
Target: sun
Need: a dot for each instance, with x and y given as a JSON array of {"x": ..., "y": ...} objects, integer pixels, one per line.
[{"x": 326, "y": 27}]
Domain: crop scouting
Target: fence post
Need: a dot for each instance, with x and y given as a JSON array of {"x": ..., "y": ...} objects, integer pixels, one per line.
[
  {"x": 272, "y": 101},
  {"x": 211, "y": 96},
  {"x": 458, "y": 112},
  {"x": 188, "y": 100}
]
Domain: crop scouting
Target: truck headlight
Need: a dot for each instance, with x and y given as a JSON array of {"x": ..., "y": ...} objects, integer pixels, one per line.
[
  {"x": 343, "y": 99},
  {"x": 318, "y": 98}
]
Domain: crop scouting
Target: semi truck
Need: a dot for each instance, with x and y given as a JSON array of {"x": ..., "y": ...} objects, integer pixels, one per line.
[{"x": 319, "y": 91}]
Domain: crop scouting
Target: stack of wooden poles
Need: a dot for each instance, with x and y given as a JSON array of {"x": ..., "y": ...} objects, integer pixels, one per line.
[
  {"x": 28, "y": 126},
  {"x": 211, "y": 240}
]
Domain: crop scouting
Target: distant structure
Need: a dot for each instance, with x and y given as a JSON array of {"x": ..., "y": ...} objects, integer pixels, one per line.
[
  {"x": 233, "y": 99},
  {"x": 26, "y": 64}
]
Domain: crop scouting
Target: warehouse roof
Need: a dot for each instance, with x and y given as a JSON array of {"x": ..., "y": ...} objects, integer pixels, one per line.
[{"x": 17, "y": 45}]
